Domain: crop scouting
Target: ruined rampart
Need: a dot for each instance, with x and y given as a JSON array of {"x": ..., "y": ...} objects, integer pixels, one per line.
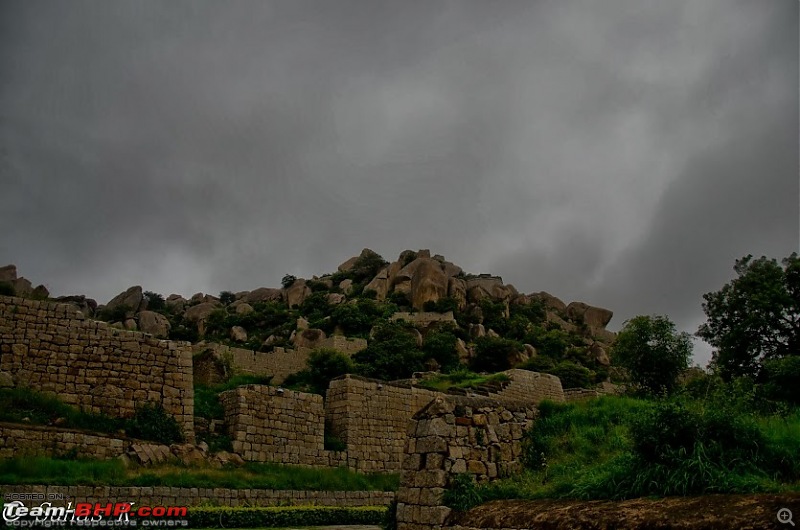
[
  {"x": 371, "y": 418},
  {"x": 279, "y": 363},
  {"x": 457, "y": 435},
  {"x": 51, "y": 347},
  {"x": 267, "y": 424}
]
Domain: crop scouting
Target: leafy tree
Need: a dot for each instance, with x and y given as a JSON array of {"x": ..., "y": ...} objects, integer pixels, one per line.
[
  {"x": 491, "y": 354},
  {"x": 356, "y": 319},
  {"x": 494, "y": 316},
  {"x": 392, "y": 353},
  {"x": 227, "y": 297},
  {"x": 288, "y": 280},
  {"x": 324, "y": 364},
  {"x": 782, "y": 379},
  {"x": 442, "y": 305},
  {"x": 755, "y": 317},
  {"x": 441, "y": 346},
  {"x": 572, "y": 375},
  {"x": 155, "y": 302},
  {"x": 653, "y": 352},
  {"x": 367, "y": 266}
]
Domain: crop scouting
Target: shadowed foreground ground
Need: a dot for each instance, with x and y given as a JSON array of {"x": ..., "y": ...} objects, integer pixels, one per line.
[{"x": 710, "y": 512}]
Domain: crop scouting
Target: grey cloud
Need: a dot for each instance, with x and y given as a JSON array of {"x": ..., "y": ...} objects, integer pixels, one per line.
[{"x": 575, "y": 147}]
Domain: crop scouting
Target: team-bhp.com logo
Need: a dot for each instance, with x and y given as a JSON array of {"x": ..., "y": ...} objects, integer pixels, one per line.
[{"x": 15, "y": 513}]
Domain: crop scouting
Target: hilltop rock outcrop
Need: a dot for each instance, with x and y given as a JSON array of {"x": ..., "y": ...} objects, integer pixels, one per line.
[
  {"x": 154, "y": 323},
  {"x": 131, "y": 299},
  {"x": 428, "y": 284}
]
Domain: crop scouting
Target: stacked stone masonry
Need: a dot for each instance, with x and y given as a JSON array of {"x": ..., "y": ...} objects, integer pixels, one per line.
[
  {"x": 577, "y": 394},
  {"x": 531, "y": 387},
  {"x": 279, "y": 363},
  {"x": 168, "y": 496},
  {"x": 371, "y": 417},
  {"x": 51, "y": 347},
  {"x": 456, "y": 435},
  {"x": 268, "y": 424},
  {"x": 30, "y": 440}
]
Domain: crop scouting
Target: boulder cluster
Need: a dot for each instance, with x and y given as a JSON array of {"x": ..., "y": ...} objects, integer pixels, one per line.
[{"x": 418, "y": 277}]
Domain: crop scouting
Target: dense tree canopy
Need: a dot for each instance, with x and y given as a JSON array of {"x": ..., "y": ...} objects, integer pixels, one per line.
[
  {"x": 653, "y": 352},
  {"x": 754, "y": 318}
]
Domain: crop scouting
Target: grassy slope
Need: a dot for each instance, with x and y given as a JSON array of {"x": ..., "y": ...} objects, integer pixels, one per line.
[{"x": 585, "y": 450}]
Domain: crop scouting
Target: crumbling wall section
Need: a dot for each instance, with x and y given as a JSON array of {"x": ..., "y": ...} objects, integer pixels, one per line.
[{"x": 453, "y": 435}]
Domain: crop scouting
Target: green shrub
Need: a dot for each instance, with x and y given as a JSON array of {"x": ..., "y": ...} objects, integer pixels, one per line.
[
  {"x": 6, "y": 289},
  {"x": 284, "y": 516},
  {"x": 782, "y": 379},
  {"x": 390, "y": 517},
  {"x": 571, "y": 375},
  {"x": 357, "y": 319},
  {"x": 323, "y": 364},
  {"x": 494, "y": 316},
  {"x": 491, "y": 354},
  {"x": 288, "y": 280},
  {"x": 367, "y": 266},
  {"x": 317, "y": 286},
  {"x": 534, "y": 311},
  {"x": 155, "y": 302},
  {"x": 442, "y": 305},
  {"x": 19, "y": 403},
  {"x": 391, "y": 354},
  {"x": 441, "y": 346},
  {"x": 540, "y": 363},
  {"x": 226, "y": 298},
  {"x": 463, "y": 493},
  {"x": 152, "y": 422},
  {"x": 400, "y": 299}
]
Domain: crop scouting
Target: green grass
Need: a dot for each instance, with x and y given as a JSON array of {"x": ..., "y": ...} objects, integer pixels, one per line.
[
  {"x": 460, "y": 379},
  {"x": 206, "y": 397},
  {"x": 207, "y": 405},
  {"x": 617, "y": 447},
  {"x": 59, "y": 472},
  {"x": 17, "y": 404}
]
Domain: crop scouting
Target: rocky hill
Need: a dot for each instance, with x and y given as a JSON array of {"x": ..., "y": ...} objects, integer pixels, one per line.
[{"x": 423, "y": 308}]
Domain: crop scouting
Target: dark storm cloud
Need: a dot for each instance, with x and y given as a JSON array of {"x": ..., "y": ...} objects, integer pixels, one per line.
[{"x": 602, "y": 152}]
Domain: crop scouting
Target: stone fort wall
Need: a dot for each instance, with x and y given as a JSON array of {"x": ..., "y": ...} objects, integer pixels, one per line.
[
  {"x": 451, "y": 436},
  {"x": 279, "y": 363},
  {"x": 52, "y": 347},
  {"x": 371, "y": 417},
  {"x": 271, "y": 425}
]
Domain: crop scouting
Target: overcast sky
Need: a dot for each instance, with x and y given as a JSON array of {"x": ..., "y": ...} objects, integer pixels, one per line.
[{"x": 621, "y": 153}]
